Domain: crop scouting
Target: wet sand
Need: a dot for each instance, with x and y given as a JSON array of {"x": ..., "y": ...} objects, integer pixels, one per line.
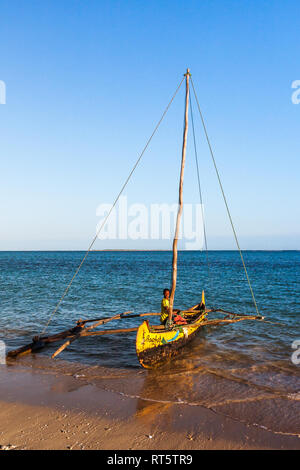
[{"x": 48, "y": 410}]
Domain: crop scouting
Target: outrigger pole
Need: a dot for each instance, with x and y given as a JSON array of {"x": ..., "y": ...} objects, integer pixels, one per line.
[{"x": 179, "y": 212}]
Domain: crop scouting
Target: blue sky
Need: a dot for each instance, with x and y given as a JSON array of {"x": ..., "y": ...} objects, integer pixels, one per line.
[{"x": 86, "y": 82}]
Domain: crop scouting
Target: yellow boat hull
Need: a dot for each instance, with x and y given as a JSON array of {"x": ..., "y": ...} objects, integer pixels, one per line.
[{"x": 156, "y": 347}]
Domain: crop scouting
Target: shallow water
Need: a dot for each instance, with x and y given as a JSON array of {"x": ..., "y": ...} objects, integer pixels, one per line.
[{"x": 243, "y": 370}]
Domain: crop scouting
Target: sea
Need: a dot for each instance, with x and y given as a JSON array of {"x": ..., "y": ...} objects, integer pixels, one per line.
[{"x": 248, "y": 371}]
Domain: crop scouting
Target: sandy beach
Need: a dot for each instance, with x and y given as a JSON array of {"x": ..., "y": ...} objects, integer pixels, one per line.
[{"x": 45, "y": 410}]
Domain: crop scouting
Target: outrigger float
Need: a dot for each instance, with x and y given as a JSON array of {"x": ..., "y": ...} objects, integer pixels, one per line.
[{"x": 155, "y": 344}]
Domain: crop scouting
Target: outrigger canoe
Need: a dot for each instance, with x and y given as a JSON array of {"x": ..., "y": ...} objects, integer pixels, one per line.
[{"x": 155, "y": 344}]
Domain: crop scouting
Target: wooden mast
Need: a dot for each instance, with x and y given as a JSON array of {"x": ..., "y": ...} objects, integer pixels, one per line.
[{"x": 175, "y": 241}]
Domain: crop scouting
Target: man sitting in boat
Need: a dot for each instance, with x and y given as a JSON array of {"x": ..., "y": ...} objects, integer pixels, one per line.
[{"x": 165, "y": 308}]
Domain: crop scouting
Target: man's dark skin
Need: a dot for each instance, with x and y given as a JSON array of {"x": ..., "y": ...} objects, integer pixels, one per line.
[{"x": 167, "y": 296}]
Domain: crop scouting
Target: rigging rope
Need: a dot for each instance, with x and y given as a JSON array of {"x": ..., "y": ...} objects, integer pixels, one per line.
[
  {"x": 225, "y": 200},
  {"x": 111, "y": 209},
  {"x": 199, "y": 187}
]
